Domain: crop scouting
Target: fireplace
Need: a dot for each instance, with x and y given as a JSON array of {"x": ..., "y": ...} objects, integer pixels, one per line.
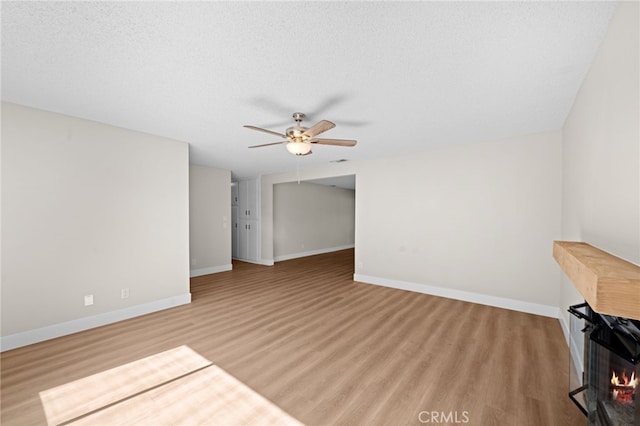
[
  {"x": 608, "y": 388},
  {"x": 604, "y": 335}
]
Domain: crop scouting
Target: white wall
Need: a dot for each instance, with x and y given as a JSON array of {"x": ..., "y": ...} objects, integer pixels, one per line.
[
  {"x": 310, "y": 219},
  {"x": 475, "y": 219},
  {"x": 88, "y": 208},
  {"x": 473, "y": 222},
  {"x": 209, "y": 220},
  {"x": 601, "y": 150}
]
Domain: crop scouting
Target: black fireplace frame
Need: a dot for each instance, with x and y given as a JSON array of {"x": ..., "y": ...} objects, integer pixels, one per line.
[
  {"x": 619, "y": 336},
  {"x": 587, "y": 315}
]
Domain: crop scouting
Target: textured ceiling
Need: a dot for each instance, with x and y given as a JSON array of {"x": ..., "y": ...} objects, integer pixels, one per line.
[{"x": 399, "y": 77}]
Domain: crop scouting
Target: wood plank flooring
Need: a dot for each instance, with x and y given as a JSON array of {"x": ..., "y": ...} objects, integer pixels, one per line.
[{"x": 320, "y": 349}]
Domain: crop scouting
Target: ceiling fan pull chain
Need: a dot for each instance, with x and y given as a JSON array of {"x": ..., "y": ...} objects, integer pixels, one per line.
[{"x": 298, "y": 168}]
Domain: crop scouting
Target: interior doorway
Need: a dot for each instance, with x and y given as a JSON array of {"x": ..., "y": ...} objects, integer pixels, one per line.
[{"x": 313, "y": 217}]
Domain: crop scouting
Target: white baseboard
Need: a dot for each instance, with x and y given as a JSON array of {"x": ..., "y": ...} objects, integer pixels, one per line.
[
  {"x": 264, "y": 262},
  {"x": 576, "y": 350},
  {"x": 210, "y": 270},
  {"x": 25, "y": 338},
  {"x": 466, "y": 296},
  {"x": 311, "y": 252},
  {"x": 565, "y": 329}
]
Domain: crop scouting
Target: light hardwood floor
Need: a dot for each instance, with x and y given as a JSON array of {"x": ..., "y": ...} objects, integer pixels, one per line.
[{"x": 298, "y": 342}]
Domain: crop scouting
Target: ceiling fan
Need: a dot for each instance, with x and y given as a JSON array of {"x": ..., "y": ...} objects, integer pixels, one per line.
[{"x": 298, "y": 139}]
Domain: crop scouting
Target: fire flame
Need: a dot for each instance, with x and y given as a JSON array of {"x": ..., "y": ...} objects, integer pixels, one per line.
[
  {"x": 626, "y": 382},
  {"x": 624, "y": 389}
]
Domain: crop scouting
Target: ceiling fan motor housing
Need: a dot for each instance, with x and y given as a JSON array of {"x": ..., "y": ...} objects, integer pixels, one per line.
[{"x": 296, "y": 134}]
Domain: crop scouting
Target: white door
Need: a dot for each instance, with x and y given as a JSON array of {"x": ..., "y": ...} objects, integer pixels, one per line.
[
  {"x": 248, "y": 199},
  {"x": 235, "y": 243},
  {"x": 248, "y": 240}
]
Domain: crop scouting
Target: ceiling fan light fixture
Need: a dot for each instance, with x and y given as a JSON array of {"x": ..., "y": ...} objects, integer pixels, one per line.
[{"x": 298, "y": 148}]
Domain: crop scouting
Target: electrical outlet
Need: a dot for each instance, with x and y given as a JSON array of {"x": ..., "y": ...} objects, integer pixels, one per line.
[
  {"x": 88, "y": 300},
  {"x": 124, "y": 293}
]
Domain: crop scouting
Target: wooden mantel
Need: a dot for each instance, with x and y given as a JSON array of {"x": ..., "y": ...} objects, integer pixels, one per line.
[{"x": 609, "y": 284}]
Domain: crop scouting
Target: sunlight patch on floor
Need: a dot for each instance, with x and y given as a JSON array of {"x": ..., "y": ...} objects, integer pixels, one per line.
[{"x": 175, "y": 387}]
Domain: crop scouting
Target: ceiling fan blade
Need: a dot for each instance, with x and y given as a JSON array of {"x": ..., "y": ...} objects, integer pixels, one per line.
[
  {"x": 338, "y": 142},
  {"x": 260, "y": 129},
  {"x": 319, "y": 127},
  {"x": 328, "y": 104},
  {"x": 353, "y": 123},
  {"x": 268, "y": 144},
  {"x": 271, "y": 105}
]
